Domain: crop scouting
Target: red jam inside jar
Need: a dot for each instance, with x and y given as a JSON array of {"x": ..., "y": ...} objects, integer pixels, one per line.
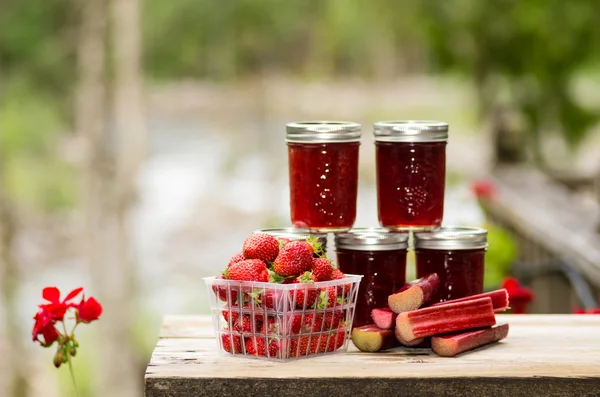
[
  {"x": 411, "y": 173},
  {"x": 323, "y": 172},
  {"x": 378, "y": 255},
  {"x": 457, "y": 255}
]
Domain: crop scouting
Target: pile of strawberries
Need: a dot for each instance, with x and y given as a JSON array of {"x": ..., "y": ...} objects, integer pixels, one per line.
[{"x": 279, "y": 298}]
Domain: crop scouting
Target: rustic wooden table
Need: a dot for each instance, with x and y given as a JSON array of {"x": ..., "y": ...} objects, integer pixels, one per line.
[{"x": 544, "y": 355}]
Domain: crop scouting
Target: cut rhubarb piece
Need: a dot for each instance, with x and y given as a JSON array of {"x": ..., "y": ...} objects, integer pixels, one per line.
[
  {"x": 370, "y": 338},
  {"x": 452, "y": 344},
  {"x": 412, "y": 343},
  {"x": 499, "y": 299},
  {"x": 451, "y": 317},
  {"x": 384, "y": 318},
  {"x": 414, "y": 294}
]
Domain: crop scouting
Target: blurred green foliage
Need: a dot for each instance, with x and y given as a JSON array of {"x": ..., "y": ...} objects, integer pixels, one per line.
[
  {"x": 500, "y": 255},
  {"x": 524, "y": 55}
]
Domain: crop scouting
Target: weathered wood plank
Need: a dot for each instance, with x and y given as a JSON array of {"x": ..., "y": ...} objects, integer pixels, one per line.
[
  {"x": 553, "y": 355},
  {"x": 562, "y": 222}
]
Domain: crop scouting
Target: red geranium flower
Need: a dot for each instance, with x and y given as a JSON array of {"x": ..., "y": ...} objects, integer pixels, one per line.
[
  {"x": 518, "y": 296},
  {"x": 484, "y": 189},
  {"x": 57, "y": 308},
  {"x": 89, "y": 310},
  {"x": 579, "y": 310},
  {"x": 44, "y": 325},
  {"x": 49, "y": 314}
]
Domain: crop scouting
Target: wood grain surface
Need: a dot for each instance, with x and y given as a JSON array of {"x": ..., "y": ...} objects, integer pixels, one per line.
[{"x": 544, "y": 355}]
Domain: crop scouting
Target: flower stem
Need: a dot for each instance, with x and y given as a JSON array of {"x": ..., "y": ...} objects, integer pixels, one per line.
[{"x": 68, "y": 354}]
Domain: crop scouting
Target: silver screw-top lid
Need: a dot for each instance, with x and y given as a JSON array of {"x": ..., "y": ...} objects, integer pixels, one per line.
[
  {"x": 452, "y": 238},
  {"x": 410, "y": 131},
  {"x": 322, "y": 131},
  {"x": 371, "y": 239},
  {"x": 295, "y": 234}
]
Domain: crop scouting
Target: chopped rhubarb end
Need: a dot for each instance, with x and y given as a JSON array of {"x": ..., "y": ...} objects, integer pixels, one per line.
[
  {"x": 370, "y": 338},
  {"x": 413, "y": 343},
  {"x": 384, "y": 318},
  {"x": 452, "y": 344},
  {"x": 499, "y": 298},
  {"x": 414, "y": 294},
  {"x": 451, "y": 317}
]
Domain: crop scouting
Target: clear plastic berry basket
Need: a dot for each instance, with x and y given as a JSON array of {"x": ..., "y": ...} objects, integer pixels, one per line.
[{"x": 281, "y": 322}]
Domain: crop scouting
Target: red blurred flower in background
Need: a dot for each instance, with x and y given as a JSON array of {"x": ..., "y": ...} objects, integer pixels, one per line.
[
  {"x": 52, "y": 315},
  {"x": 579, "y": 310},
  {"x": 518, "y": 296},
  {"x": 484, "y": 189}
]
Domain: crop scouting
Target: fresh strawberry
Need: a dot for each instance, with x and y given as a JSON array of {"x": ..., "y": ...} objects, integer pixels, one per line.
[
  {"x": 270, "y": 327},
  {"x": 255, "y": 346},
  {"x": 272, "y": 299},
  {"x": 221, "y": 291},
  {"x": 315, "y": 247},
  {"x": 236, "y": 258},
  {"x": 306, "y": 296},
  {"x": 331, "y": 342},
  {"x": 296, "y": 323},
  {"x": 261, "y": 246},
  {"x": 231, "y": 343},
  {"x": 300, "y": 346},
  {"x": 334, "y": 319},
  {"x": 246, "y": 323},
  {"x": 293, "y": 259},
  {"x": 322, "y": 268},
  {"x": 231, "y": 312},
  {"x": 255, "y": 311},
  {"x": 327, "y": 298},
  {"x": 313, "y": 323},
  {"x": 342, "y": 289},
  {"x": 249, "y": 270}
]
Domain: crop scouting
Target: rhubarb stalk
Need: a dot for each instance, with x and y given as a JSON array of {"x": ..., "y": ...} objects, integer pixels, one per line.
[
  {"x": 451, "y": 317},
  {"x": 452, "y": 344},
  {"x": 414, "y": 294}
]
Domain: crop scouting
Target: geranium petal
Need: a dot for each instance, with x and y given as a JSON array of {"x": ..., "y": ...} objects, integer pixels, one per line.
[
  {"x": 51, "y": 294},
  {"x": 73, "y": 294}
]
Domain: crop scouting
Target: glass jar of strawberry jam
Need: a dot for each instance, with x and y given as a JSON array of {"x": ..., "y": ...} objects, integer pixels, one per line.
[
  {"x": 457, "y": 255},
  {"x": 380, "y": 256},
  {"x": 411, "y": 173},
  {"x": 295, "y": 234},
  {"x": 323, "y": 171}
]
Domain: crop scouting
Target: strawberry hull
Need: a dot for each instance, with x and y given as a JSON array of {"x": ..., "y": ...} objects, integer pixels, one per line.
[
  {"x": 435, "y": 320},
  {"x": 274, "y": 321},
  {"x": 456, "y": 343}
]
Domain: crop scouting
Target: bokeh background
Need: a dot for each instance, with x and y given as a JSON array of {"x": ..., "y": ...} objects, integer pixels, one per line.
[{"x": 142, "y": 140}]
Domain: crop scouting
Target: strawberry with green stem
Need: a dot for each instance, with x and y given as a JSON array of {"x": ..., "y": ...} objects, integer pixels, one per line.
[
  {"x": 293, "y": 259},
  {"x": 305, "y": 296},
  {"x": 261, "y": 246},
  {"x": 322, "y": 268}
]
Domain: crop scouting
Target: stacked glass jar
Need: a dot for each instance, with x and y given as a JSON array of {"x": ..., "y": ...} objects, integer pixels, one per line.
[{"x": 411, "y": 167}]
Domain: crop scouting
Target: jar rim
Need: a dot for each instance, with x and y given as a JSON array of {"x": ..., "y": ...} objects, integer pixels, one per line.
[
  {"x": 410, "y": 131},
  {"x": 371, "y": 239},
  {"x": 452, "y": 237},
  {"x": 293, "y": 233},
  {"x": 323, "y": 131}
]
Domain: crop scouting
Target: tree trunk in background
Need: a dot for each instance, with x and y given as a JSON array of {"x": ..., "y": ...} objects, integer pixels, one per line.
[
  {"x": 109, "y": 182},
  {"x": 14, "y": 353},
  {"x": 130, "y": 146}
]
